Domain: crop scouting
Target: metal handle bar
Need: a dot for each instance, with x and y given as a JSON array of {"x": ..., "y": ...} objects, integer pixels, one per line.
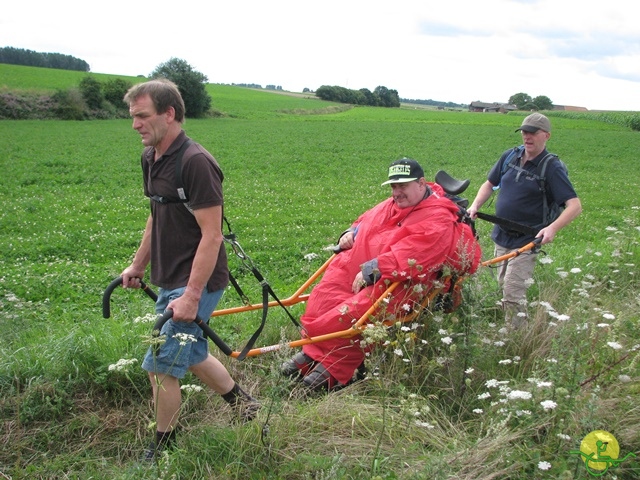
[
  {"x": 106, "y": 297},
  {"x": 206, "y": 330}
]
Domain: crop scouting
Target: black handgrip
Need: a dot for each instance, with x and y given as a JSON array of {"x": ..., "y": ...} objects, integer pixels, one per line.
[
  {"x": 106, "y": 297},
  {"x": 206, "y": 329}
]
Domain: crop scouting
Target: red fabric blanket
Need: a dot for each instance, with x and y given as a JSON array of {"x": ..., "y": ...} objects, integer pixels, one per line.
[{"x": 410, "y": 245}]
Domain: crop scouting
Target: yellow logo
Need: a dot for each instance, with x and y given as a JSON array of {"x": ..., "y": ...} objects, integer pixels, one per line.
[{"x": 600, "y": 451}]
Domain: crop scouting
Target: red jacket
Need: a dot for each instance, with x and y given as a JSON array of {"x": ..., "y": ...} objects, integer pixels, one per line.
[{"x": 408, "y": 245}]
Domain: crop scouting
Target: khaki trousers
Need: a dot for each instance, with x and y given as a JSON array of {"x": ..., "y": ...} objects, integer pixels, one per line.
[{"x": 513, "y": 278}]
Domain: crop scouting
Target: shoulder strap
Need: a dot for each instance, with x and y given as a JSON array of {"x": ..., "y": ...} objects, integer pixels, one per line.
[
  {"x": 179, "y": 185},
  {"x": 514, "y": 153}
]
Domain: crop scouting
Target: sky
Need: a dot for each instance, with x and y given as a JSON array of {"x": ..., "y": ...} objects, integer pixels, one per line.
[{"x": 577, "y": 53}]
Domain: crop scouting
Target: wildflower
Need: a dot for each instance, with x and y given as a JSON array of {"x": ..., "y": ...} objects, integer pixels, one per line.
[
  {"x": 563, "y": 436},
  {"x": 469, "y": 371},
  {"x": 614, "y": 345},
  {"x": 518, "y": 395},
  {"x": 191, "y": 388},
  {"x": 608, "y": 316},
  {"x": 403, "y": 273},
  {"x": 562, "y": 274},
  {"x": 310, "y": 256},
  {"x": 122, "y": 365},
  {"x": 602, "y": 325},
  {"x": 405, "y": 329},
  {"x": 406, "y": 307},
  {"x": 499, "y": 343},
  {"x": 398, "y": 352},
  {"x": 506, "y": 361},
  {"x": 528, "y": 282},
  {"x": 183, "y": 338},
  {"x": 493, "y": 383},
  {"x": 544, "y": 384},
  {"x": 411, "y": 262},
  {"x": 148, "y": 318},
  {"x": 563, "y": 317},
  {"x": 484, "y": 395},
  {"x": 446, "y": 340},
  {"x": 344, "y": 309},
  {"x": 624, "y": 378},
  {"x": 478, "y": 410},
  {"x": 548, "y": 404},
  {"x": 544, "y": 465},
  {"x": 424, "y": 424},
  {"x": 442, "y": 332},
  {"x": 575, "y": 270},
  {"x": 546, "y": 260},
  {"x": 611, "y": 229},
  {"x": 521, "y": 413}
]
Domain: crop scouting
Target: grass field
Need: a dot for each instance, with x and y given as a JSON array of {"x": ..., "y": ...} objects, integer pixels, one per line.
[{"x": 297, "y": 172}]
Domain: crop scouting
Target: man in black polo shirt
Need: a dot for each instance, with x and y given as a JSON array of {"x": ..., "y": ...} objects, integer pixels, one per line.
[
  {"x": 183, "y": 242},
  {"x": 521, "y": 200}
]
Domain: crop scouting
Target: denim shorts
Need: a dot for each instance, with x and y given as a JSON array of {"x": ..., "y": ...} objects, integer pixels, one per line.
[{"x": 175, "y": 356}]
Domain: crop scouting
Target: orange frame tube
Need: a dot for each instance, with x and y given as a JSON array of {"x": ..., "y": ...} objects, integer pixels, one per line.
[{"x": 299, "y": 296}]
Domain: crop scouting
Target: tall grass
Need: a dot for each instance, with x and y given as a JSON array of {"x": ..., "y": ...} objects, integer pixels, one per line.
[{"x": 71, "y": 218}]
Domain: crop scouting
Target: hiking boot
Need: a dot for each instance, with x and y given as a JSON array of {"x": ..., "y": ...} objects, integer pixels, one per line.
[
  {"x": 297, "y": 366},
  {"x": 246, "y": 408},
  {"x": 320, "y": 379}
]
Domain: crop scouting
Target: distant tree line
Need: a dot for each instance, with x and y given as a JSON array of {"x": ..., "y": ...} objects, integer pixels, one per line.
[
  {"x": 30, "y": 58},
  {"x": 95, "y": 99},
  {"x": 380, "y": 97}
]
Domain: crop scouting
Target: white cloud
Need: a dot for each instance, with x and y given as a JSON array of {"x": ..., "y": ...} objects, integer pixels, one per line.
[{"x": 574, "y": 52}]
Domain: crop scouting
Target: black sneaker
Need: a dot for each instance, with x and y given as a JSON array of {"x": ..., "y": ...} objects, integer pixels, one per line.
[{"x": 320, "y": 379}]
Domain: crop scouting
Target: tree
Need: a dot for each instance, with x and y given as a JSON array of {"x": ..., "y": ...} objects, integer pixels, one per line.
[
  {"x": 543, "y": 103},
  {"x": 520, "y": 100},
  {"x": 190, "y": 82},
  {"x": 114, "y": 91},
  {"x": 91, "y": 90}
]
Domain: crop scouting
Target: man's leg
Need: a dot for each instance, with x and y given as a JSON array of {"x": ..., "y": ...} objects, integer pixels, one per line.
[
  {"x": 212, "y": 373},
  {"x": 166, "y": 399},
  {"x": 513, "y": 277}
]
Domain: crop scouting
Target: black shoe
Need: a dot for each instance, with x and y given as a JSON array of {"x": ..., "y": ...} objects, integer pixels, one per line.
[
  {"x": 299, "y": 365},
  {"x": 320, "y": 379},
  {"x": 246, "y": 408},
  {"x": 152, "y": 452}
]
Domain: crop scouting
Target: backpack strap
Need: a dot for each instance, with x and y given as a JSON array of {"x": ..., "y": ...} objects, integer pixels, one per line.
[
  {"x": 542, "y": 179},
  {"x": 182, "y": 195}
]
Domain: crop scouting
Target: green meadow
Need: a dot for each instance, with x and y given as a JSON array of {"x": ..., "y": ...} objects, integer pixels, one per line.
[{"x": 465, "y": 399}]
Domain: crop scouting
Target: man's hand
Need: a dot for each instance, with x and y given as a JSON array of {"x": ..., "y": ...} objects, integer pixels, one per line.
[
  {"x": 358, "y": 283},
  {"x": 131, "y": 277},
  {"x": 346, "y": 241},
  {"x": 185, "y": 307}
]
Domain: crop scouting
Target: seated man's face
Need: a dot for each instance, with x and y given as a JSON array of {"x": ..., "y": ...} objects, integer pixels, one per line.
[{"x": 408, "y": 194}]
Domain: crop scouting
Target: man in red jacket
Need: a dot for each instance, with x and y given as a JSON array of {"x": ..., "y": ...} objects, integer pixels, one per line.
[{"x": 410, "y": 236}]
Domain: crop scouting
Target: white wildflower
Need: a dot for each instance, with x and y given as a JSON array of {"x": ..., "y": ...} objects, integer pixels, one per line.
[
  {"x": 608, "y": 316},
  {"x": 624, "y": 378},
  {"x": 506, "y": 361},
  {"x": 602, "y": 325},
  {"x": 484, "y": 395},
  {"x": 398, "y": 352},
  {"x": 546, "y": 260},
  {"x": 548, "y": 404},
  {"x": 122, "y": 365},
  {"x": 446, "y": 340},
  {"x": 563, "y": 436},
  {"x": 191, "y": 388},
  {"x": 469, "y": 371},
  {"x": 544, "y": 465},
  {"x": 406, "y": 307},
  {"x": 614, "y": 345},
  {"x": 519, "y": 395},
  {"x": 575, "y": 270},
  {"x": 478, "y": 411},
  {"x": 310, "y": 256}
]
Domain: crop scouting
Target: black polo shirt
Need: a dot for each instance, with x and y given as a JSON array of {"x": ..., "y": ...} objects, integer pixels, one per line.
[{"x": 175, "y": 234}]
